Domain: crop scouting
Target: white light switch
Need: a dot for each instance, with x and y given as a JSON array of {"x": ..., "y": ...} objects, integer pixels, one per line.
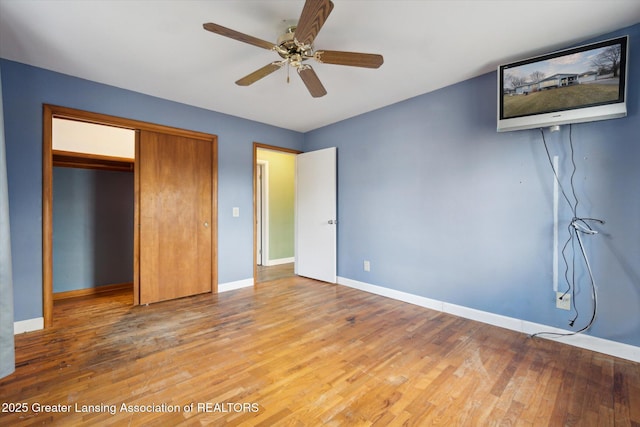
[{"x": 236, "y": 212}]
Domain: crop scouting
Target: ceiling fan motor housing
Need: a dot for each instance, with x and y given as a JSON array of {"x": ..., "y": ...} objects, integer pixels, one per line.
[{"x": 289, "y": 48}]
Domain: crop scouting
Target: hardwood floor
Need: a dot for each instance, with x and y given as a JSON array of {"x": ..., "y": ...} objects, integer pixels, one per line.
[
  {"x": 274, "y": 272},
  {"x": 303, "y": 353}
]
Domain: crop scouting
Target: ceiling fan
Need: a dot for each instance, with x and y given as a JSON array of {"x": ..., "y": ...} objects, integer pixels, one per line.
[{"x": 295, "y": 46}]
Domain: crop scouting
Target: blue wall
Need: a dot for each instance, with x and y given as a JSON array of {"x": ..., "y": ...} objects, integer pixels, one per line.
[
  {"x": 442, "y": 205},
  {"x": 92, "y": 228},
  {"x": 447, "y": 208},
  {"x": 26, "y": 88}
]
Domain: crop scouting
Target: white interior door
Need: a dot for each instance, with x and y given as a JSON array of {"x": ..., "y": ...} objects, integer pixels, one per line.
[{"x": 316, "y": 215}]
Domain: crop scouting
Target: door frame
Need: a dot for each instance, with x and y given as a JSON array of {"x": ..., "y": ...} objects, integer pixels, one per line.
[
  {"x": 262, "y": 216},
  {"x": 256, "y": 146},
  {"x": 51, "y": 111}
]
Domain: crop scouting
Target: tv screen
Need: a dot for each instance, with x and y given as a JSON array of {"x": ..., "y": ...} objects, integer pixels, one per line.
[{"x": 580, "y": 84}]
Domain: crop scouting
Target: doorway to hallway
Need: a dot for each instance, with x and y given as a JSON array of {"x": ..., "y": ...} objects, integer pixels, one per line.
[{"x": 274, "y": 198}]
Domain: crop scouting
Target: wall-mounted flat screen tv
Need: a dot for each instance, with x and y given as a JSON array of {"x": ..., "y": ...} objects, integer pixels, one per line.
[{"x": 580, "y": 84}]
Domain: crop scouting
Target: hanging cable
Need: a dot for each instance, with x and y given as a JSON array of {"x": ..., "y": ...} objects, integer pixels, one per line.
[
  {"x": 577, "y": 227},
  {"x": 573, "y": 207},
  {"x": 555, "y": 173}
]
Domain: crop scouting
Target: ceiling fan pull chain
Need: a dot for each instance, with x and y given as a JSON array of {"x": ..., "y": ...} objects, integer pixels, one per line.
[{"x": 288, "y": 73}]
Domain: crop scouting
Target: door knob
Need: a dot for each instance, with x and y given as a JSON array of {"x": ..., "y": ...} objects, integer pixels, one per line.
[{"x": 206, "y": 224}]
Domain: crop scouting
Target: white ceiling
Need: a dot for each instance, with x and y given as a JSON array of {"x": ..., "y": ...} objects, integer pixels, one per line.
[{"x": 158, "y": 47}]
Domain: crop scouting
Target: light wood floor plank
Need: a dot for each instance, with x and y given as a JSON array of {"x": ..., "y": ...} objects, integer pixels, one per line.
[{"x": 298, "y": 352}]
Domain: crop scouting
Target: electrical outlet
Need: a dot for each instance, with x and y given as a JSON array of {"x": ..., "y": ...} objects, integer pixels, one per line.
[
  {"x": 565, "y": 302},
  {"x": 367, "y": 266}
]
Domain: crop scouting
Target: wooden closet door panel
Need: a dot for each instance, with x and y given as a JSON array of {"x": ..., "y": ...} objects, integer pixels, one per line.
[{"x": 175, "y": 216}]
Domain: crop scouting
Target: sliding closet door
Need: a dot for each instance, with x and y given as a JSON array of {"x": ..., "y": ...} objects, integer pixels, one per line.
[{"x": 176, "y": 230}]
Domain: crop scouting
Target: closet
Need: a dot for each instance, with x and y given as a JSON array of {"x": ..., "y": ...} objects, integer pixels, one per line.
[{"x": 175, "y": 206}]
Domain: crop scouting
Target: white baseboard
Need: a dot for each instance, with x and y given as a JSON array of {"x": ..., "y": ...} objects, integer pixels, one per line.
[
  {"x": 600, "y": 345},
  {"x": 238, "y": 284},
  {"x": 280, "y": 261},
  {"x": 28, "y": 325}
]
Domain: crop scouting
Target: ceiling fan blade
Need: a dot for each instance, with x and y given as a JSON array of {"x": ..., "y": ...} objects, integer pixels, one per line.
[
  {"x": 312, "y": 18},
  {"x": 353, "y": 59},
  {"x": 312, "y": 82},
  {"x": 233, "y": 34},
  {"x": 260, "y": 73}
]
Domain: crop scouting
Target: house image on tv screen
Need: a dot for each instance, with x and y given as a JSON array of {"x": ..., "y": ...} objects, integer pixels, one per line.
[
  {"x": 557, "y": 80},
  {"x": 560, "y": 80}
]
